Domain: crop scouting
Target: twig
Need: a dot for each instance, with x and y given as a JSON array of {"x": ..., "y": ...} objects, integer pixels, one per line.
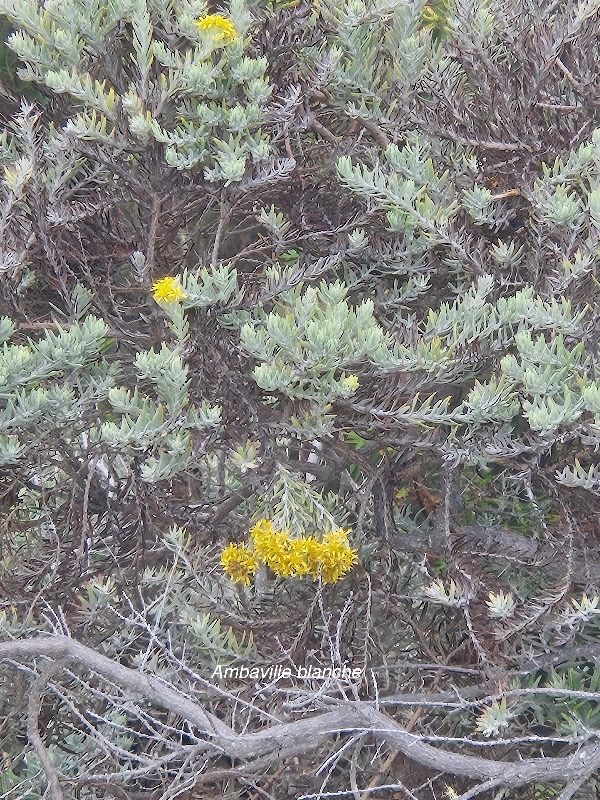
[
  {"x": 221, "y": 228},
  {"x": 152, "y": 233},
  {"x": 483, "y": 787},
  {"x": 367, "y": 791},
  {"x": 34, "y": 707},
  {"x": 569, "y": 75},
  {"x": 570, "y": 789},
  {"x": 489, "y": 144},
  {"x": 376, "y": 132},
  {"x": 322, "y": 131}
]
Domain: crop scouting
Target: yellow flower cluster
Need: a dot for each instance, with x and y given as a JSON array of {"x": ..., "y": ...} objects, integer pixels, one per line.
[
  {"x": 331, "y": 558},
  {"x": 239, "y": 563},
  {"x": 219, "y": 28},
  {"x": 169, "y": 290}
]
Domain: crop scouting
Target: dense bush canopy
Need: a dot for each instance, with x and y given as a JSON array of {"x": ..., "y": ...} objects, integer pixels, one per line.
[{"x": 299, "y": 399}]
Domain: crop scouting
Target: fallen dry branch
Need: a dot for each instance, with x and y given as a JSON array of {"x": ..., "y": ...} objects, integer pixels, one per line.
[{"x": 287, "y": 739}]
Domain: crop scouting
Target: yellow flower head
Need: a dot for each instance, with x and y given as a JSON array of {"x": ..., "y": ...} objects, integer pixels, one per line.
[
  {"x": 262, "y": 526},
  {"x": 350, "y": 382},
  {"x": 219, "y": 28},
  {"x": 168, "y": 290},
  {"x": 266, "y": 540},
  {"x": 286, "y": 560},
  {"x": 337, "y": 557},
  {"x": 239, "y": 563},
  {"x": 338, "y": 537},
  {"x": 331, "y": 558}
]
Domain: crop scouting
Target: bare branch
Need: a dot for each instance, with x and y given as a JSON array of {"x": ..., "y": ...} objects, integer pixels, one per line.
[
  {"x": 293, "y": 738},
  {"x": 34, "y": 706}
]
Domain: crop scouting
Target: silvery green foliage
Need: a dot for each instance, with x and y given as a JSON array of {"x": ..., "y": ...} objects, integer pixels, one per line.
[
  {"x": 544, "y": 376},
  {"x": 150, "y": 116},
  {"x": 418, "y": 202},
  {"x": 438, "y": 593},
  {"x": 293, "y": 505},
  {"x": 365, "y": 58},
  {"x": 494, "y": 719},
  {"x": 204, "y": 102},
  {"x": 60, "y": 386},
  {"x": 208, "y": 287},
  {"x": 501, "y": 605},
  {"x": 313, "y": 334},
  {"x": 579, "y": 476},
  {"x": 381, "y": 65},
  {"x": 165, "y": 428}
]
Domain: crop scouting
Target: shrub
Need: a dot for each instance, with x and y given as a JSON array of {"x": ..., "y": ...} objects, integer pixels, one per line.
[{"x": 333, "y": 266}]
